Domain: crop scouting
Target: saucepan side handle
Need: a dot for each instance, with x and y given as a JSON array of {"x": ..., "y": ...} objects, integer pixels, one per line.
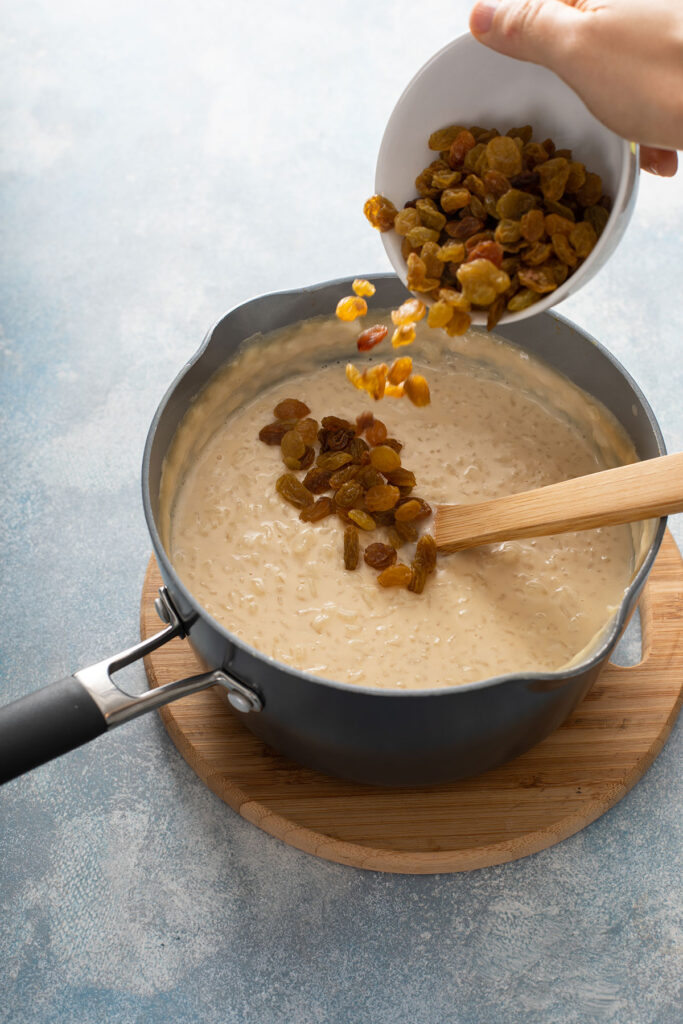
[
  {"x": 78, "y": 708},
  {"x": 45, "y": 724}
]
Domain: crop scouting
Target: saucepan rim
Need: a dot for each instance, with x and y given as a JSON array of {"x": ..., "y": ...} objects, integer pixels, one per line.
[{"x": 549, "y": 678}]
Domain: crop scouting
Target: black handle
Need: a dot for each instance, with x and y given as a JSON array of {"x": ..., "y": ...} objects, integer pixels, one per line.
[{"x": 45, "y": 724}]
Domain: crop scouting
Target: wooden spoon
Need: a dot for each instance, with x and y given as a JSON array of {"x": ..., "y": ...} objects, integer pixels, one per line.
[{"x": 626, "y": 494}]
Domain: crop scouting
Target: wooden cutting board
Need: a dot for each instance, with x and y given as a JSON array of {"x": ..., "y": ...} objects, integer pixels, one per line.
[{"x": 539, "y": 799}]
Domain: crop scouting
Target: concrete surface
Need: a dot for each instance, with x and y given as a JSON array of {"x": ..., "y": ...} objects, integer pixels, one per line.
[{"x": 160, "y": 163}]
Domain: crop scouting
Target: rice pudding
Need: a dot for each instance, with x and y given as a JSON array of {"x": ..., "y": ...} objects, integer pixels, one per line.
[{"x": 499, "y": 422}]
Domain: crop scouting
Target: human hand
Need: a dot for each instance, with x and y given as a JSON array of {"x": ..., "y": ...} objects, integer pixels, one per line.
[{"x": 623, "y": 57}]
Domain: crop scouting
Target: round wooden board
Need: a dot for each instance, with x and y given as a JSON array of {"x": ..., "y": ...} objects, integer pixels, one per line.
[{"x": 549, "y": 793}]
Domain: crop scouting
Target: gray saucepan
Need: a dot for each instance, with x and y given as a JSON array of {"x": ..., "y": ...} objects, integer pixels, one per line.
[{"x": 381, "y": 737}]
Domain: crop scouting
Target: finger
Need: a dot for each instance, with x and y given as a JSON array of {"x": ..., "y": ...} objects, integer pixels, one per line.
[
  {"x": 541, "y": 31},
  {"x": 663, "y": 162}
]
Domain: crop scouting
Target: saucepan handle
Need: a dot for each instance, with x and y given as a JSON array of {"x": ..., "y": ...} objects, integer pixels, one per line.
[
  {"x": 78, "y": 708},
  {"x": 45, "y": 724}
]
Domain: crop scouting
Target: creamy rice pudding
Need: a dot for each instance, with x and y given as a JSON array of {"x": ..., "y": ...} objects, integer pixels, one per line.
[{"x": 499, "y": 422}]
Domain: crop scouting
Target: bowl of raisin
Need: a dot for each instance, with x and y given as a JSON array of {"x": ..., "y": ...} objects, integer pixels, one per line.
[{"x": 498, "y": 193}]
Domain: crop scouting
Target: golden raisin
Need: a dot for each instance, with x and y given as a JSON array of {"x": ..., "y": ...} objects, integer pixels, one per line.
[
  {"x": 369, "y": 477},
  {"x": 375, "y": 379},
  {"x": 590, "y": 192},
  {"x": 429, "y": 254},
  {"x": 430, "y": 215},
  {"x": 416, "y": 272},
  {"x": 343, "y": 475},
  {"x": 576, "y": 179},
  {"x": 395, "y": 576},
  {"x": 597, "y": 217},
  {"x": 538, "y": 279},
  {"x": 381, "y": 212},
  {"x": 363, "y": 421},
  {"x": 462, "y": 229},
  {"x": 481, "y": 281},
  {"x": 351, "y": 307},
  {"x": 379, "y": 556},
  {"x": 291, "y": 409},
  {"x": 532, "y": 225},
  {"x": 328, "y": 462},
  {"x": 563, "y": 250},
  {"x": 554, "y": 175},
  {"x": 453, "y": 199},
  {"x": 451, "y": 252},
  {"x": 293, "y": 491},
  {"x": 534, "y": 154},
  {"x": 419, "y": 235},
  {"x": 406, "y": 220},
  {"x": 362, "y": 519},
  {"x": 537, "y": 253},
  {"x": 442, "y": 139},
  {"x": 583, "y": 238},
  {"x": 426, "y": 551},
  {"x": 400, "y": 370},
  {"x": 503, "y": 155},
  {"x": 376, "y": 433},
  {"x": 439, "y": 314},
  {"x": 557, "y": 225},
  {"x": 423, "y": 563},
  {"x": 495, "y": 311},
  {"x": 307, "y": 458},
  {"x": 409, "y": 312},
  {"x": 425, "y": 509},
  {"x": 459, "y": 324},
  {"x": 401, "y": 477},
  {"x": 496, "y": 184},
  {"x": 317, "y": 481},
  {"x": 514, "y": 204},
  {"x": 408, "y": 510},
  {"x": 381, "y": 498},
  {"x": 371, "y": 336},
  {"x": 417, "y": 389},
  {"x": 459, "y": 148},
  {"x": 292, "y": 445},
  {"x": 273, "y": 433},
  {"x": 455, "y": 299},
  {"x": 418, "y": 577},
  {"x": 307, "y": 429},
  {"x": 354, "y": 375},
  {"x": 362, "y": 287},
  {"x": 320, "y": 509},
  {"x": 509, "y": 231},
  {"x": 384, "y": 458},
  {"x": 522, "y": 300},
  {"x": 487, "y": 250},
  {"x": 358, "y": 449},
  {"x": 403, "y": 335},
  {"x": 348, "y": 494},
  {"x": 351, "y": 547}
]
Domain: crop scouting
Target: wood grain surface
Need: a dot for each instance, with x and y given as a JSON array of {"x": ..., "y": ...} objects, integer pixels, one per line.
[{"x": 547, "y": 794}]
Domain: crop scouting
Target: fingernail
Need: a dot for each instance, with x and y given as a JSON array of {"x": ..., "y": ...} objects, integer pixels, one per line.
[{"x": 482, "y": 17}]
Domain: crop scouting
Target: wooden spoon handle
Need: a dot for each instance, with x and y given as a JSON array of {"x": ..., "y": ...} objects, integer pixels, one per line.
[{"x": 626, "y": 494}]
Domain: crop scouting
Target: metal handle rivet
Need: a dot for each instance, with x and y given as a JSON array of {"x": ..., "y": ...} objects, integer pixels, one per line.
[{"x": 239, "y": 702}]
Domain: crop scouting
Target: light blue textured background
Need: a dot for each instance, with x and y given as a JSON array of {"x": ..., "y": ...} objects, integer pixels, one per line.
[{"x": 159, "y": 163}]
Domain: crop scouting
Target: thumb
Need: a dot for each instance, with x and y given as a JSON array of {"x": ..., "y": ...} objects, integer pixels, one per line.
[{"x": 540, "y": 31}]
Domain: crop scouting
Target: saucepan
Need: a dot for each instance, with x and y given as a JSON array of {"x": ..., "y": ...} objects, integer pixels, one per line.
[{"x": 384, "y": 737}]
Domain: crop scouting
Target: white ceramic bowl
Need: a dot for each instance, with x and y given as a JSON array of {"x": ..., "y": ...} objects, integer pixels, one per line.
[{"x": 466, "y": 83}]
